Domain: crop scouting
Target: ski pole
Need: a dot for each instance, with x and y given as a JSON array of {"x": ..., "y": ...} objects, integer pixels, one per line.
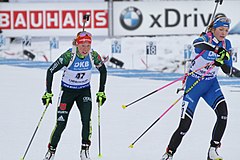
[
  {"x": 132, "y": 145},
  {"x": 168, "y": 109},
  {"x": 214, "y": 12},
  {"x": 186, "y": 75},
  {"x": 22, "y": 158},
  {"x": 85, "y": 19},
  {"x": 99, "y": 131},
  {"x": 215, "y": 9}
]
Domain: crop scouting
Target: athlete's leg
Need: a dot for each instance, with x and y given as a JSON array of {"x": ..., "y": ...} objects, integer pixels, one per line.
[
  {"x": 218, "y": 131},
  {"x": 65, "y": 102},
  {"x": 216, "y": 100},
  {"x": 84, "y": 103},
  {"x": 188, "y": 108},
  {"x": 221, "y": 123},
  {"x": 177, "y": 136},
  {"x": 189, "y": 104}
]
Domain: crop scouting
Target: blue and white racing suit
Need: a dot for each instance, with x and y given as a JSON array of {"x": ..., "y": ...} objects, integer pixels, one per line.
[{"x": 208, "y": 88}]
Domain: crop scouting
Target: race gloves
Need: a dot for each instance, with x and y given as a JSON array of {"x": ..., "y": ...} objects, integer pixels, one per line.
[
  {"x": 101, "y": 98},
  {"x": 218, "y": 62},
  {"x": 47, "y": 98},
  {"x": 224, "y": 55}
]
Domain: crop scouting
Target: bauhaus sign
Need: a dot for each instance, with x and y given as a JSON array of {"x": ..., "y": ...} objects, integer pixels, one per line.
[{"x": 51, "y": 19}]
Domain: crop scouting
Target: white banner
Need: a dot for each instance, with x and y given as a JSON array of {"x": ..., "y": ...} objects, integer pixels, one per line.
[
  {"x": 52, "y": 19},
  {"x": 169, "y": 17}
]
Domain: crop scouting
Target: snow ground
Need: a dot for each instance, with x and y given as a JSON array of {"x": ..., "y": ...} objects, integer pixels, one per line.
[{"x": 21, "y": 109}]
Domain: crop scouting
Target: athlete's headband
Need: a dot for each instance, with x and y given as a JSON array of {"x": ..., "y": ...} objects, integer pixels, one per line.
[
  {"x": 84, "y": 37},
  {"x": 221, "y": 22}
]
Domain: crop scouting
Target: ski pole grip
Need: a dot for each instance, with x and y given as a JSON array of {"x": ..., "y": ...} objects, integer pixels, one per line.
[
  {"x": 86, "y": 17},
  {"x": 219, "y": 1}
]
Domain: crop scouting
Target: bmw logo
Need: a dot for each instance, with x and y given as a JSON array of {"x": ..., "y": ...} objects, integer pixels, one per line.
[{"x": 131, "y": 18}]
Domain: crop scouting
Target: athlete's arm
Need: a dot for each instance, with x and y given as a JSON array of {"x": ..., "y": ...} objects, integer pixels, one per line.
[
  {"x": 62, "y": 61},
  {"x": 101, "y": 68}
]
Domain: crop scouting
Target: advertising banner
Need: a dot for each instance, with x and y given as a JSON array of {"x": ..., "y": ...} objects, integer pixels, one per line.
[
  {"x": 170, "y": 17},
  {"x": 52, "y": 19}
]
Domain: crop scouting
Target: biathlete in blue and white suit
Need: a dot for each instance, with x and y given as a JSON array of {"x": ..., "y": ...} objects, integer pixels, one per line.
[
  {"x": 208, "y": 88},
  {"x": 77, "y": 62}
]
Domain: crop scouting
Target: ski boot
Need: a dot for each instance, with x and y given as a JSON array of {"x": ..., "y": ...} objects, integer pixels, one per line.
[
  {"x": 50, "y": 153},
  {"x": 213, "y": 154},
  {"x": 84, "y": 153},
  {"x": 212, "y": 151},
  {"x": 168, "y": 155}
]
